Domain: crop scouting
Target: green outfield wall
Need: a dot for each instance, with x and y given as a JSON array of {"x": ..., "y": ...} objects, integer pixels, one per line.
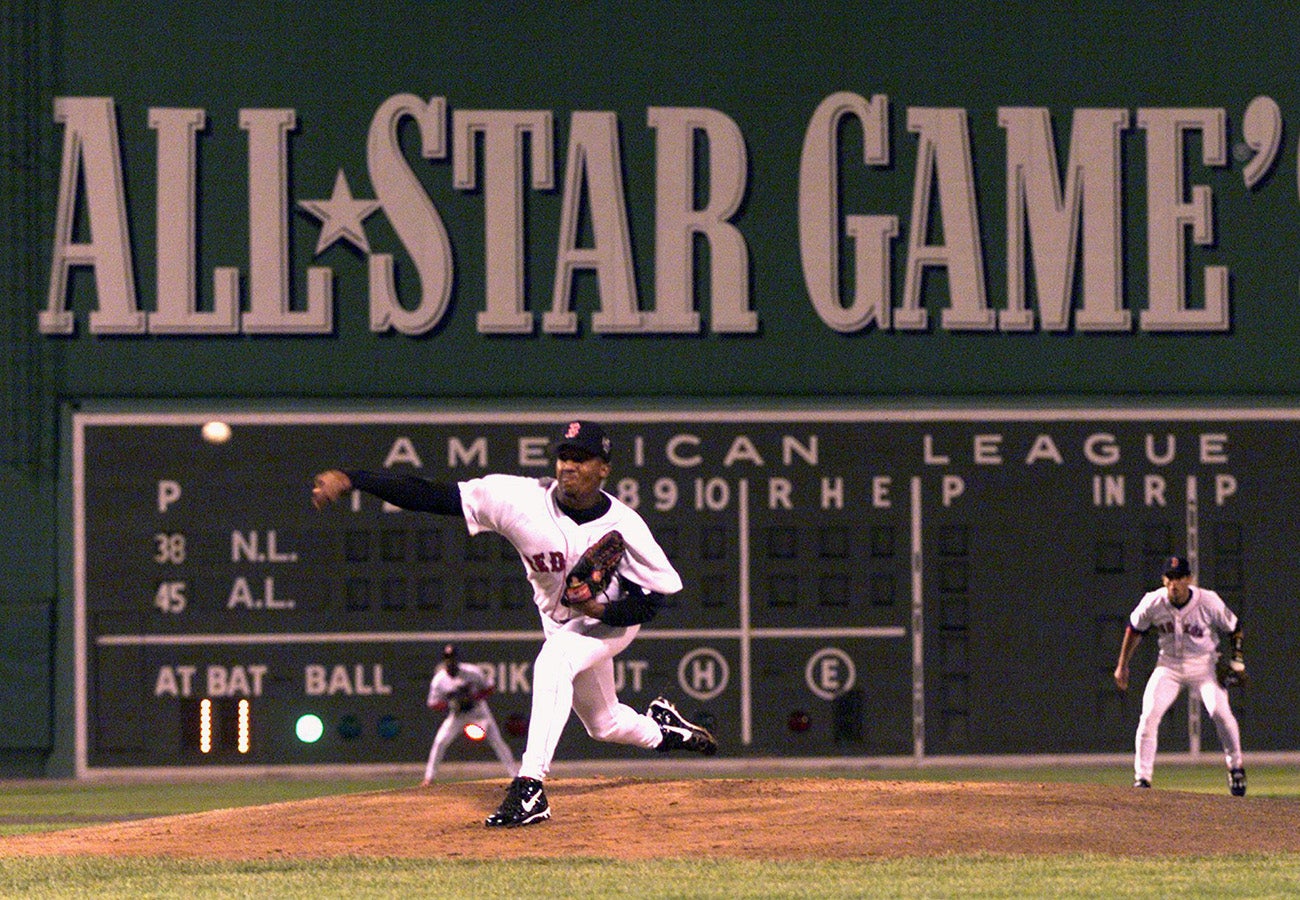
[{"x": 896, "y": 216}]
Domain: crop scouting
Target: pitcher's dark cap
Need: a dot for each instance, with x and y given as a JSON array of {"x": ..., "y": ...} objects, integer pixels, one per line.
[
  {"x": 585, "y": 436},
  {"x": 1177, "y": 567}
]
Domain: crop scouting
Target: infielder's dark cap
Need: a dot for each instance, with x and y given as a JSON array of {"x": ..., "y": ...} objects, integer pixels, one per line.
[
  {"x": 585, "y": 436},
  {"x": 1177, "y": 567},
  {"x": 449, "y": 651}
]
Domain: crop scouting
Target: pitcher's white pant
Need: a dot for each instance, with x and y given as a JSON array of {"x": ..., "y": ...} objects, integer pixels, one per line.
[
  {"x": 1167, "y": 681},
  {"x": 454, "y": 724},
  {"x": 574, "y": 672}
]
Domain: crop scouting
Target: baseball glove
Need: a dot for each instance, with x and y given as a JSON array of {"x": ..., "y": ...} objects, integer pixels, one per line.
[
  {"x": 462, "y": 700},
  {"x": 594, "y": 570},
  {"x": 1228, "y": 676}
]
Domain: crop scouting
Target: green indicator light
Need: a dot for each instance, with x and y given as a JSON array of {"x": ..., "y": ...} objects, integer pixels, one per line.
[{"x": 309, "y": 728}]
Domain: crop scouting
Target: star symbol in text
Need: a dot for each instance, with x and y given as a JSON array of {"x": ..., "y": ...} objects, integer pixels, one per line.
[{"x": 341, "y": 216}]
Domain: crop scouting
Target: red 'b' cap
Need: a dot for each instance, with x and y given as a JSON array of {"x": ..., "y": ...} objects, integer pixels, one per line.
[{"x": 588, "y": 437}]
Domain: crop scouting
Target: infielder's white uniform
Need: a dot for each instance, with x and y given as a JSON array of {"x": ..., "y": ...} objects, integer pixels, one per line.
[
  {"x": 1189, "y": 641},
  {"x": 475, "y": 683},
  {"x": 574, "y": 670}
]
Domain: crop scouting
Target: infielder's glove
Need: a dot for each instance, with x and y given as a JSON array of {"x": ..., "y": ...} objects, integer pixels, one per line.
[
  {"x": 594, "y": 570},
  {"x": 460, "y": 701},
  {"x": 1231, "y": 673}
]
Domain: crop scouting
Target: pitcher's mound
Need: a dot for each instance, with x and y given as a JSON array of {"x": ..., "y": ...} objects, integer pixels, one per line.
[{"x": 780, "y": 818}]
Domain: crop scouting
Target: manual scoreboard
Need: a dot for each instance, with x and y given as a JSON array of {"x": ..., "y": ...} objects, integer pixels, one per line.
[{"x": 859, "y": 582}]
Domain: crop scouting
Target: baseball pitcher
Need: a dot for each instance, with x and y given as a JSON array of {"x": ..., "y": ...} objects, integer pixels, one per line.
[{"x": 597, "y": 574}]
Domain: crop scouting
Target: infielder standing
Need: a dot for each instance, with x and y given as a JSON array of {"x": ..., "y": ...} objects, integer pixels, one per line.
[
  {"x": 550, "y": 523},
  {"x": 462, "y": 689},
  {"x": 1188, "y": 621}
]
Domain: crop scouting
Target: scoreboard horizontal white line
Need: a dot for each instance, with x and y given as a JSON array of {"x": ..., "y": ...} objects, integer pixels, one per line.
[
  {"x": 879, "y": 413},
  {"x": 397, "y": 637}
]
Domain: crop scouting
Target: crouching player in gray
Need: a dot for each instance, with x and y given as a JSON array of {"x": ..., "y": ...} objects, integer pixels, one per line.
[{"x": 462, "y": 689}]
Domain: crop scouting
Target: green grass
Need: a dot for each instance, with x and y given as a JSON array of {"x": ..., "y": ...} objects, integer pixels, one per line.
[
  {"x": 44, "y": 806},
  {"x": 959, "y": 876},
  {"x": 27, "y": 806}
]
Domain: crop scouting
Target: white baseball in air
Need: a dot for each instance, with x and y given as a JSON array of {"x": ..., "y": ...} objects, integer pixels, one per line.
[{"x": 216, "y": 432}]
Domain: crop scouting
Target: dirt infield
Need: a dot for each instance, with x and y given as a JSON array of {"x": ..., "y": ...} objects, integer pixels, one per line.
[{"x": 787, "y": 818}]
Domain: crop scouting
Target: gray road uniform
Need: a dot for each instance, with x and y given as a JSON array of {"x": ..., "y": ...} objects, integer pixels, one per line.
[{"x": 464, "y": 696}]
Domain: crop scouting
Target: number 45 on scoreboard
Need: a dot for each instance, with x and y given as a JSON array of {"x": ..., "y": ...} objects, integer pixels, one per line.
[{"x": 170, "y": 596}]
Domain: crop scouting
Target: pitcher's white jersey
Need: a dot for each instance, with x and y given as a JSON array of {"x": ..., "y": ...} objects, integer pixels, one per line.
[
  {"x": 523, "y": 510},
  {"x": 1186, "y": 633}
]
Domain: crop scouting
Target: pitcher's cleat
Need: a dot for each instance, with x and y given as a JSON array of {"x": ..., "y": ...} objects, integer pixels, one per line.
[
  {"x": 525, "y": 804},
  {"x": 678, "y": 732}
]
